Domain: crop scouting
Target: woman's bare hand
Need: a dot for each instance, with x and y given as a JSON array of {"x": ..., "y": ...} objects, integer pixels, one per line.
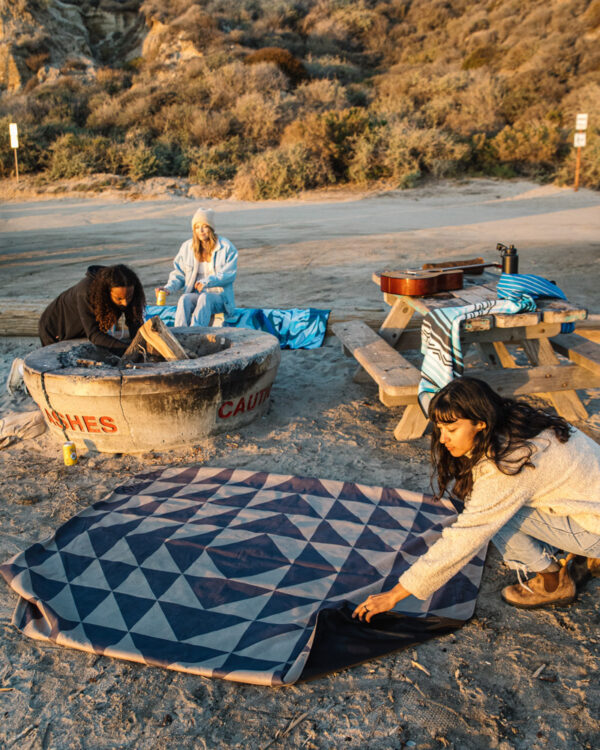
[
  {"x": 198, "y": 286},
  {"x": 377, "y": 603},
  {"x": 161, "y": 289}
]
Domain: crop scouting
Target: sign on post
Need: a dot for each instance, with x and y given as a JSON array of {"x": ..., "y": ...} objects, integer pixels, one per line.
[
  {"x": 14, "y": 135},
  {"x": 581, "y": 123},
  {"x": 14, "y": 144}
]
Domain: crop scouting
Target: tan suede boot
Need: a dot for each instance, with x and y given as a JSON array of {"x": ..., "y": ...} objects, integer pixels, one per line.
[{"x": 534, "y": 593}]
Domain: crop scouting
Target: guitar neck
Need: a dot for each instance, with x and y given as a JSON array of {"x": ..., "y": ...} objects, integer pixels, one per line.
[{"x": 473, "y": 267}]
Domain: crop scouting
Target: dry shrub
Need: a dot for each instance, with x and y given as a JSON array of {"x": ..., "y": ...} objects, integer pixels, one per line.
[
  {"x": 518, "y": 93},
  {"x": 63, "y": 102},
  {"x": 329, "y": 137},
  {"x": 197, "y": 25},
  {"x": 139, "y": 104},
  {"x": 518, "y": 54},
  {"x": 284, "y": 60},
  {"x": 480, "y": 56},
  {"x": 73, "y": 155},
  {"x": 279, "y": 173},
  {"x": 583, "y": 99},
  {"x": 209, "y": 128},
  {"x": 530, "y": 147},
  {"x": 141, "y": 161},
  {"x": 434, "y": 15},
  {"x": 334, "y": 67},
  {"x": 216, "y": 164},
  {"x": 402, "y": 153},
  {"x": 103, "y": 113},
  {"x": 226, "y": 84},
  {"x": 475, "y": 106},
  {"x": 321, "y": 95},
  {"x": 113, "y": 80},
  {"x": 257, "y": 118}
]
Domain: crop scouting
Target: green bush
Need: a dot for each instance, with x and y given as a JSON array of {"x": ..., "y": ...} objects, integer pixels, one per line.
[
  {"x": 279, "y": 173},
  {"x": 401, "y": 153},
  {"x": 216, "y": 164},
  {"x": 530, "y": 147},
  {"x": 329, "y": 138},
  {"x": 141, "y": 161},
  {"x": 73, "y": 155}
]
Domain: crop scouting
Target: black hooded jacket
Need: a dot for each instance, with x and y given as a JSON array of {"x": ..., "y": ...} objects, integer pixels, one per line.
[{"x": 70, "y": 316}]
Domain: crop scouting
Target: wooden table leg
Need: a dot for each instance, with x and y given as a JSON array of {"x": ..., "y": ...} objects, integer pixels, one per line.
[
  {"x": 412, "y": 425},
  {"x": 566, "y": 403},
  {"x": 496, "y": 354},
  {"x": 396, "y": 321},
  {"x": 391, "y": 330}
]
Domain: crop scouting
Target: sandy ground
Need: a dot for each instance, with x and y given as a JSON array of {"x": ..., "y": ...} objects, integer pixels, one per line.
[{"x": 479, "y": 688}]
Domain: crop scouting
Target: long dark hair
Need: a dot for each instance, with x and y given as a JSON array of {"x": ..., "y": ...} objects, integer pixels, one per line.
[
  {"x": 510, "y": 425},
  {"x": 105, "y": 311}
]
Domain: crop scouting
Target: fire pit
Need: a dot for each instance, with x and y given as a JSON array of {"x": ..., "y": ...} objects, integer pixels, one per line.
[{"x": 98, "y": 403}]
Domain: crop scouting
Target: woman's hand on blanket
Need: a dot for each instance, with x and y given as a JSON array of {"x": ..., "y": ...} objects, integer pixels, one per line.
[
  {"x": 378, "y": 603},
  {"x": 198, "y": 286}
]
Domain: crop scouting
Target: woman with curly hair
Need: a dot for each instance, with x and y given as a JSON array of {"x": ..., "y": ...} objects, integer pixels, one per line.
[
  {"x": 93, "y": 306},
  {"x": 205, "y": 268},
  {"x": 530, "y": 483}
]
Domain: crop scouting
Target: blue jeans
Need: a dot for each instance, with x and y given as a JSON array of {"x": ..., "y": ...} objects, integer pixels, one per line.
[
  {"x": 197, "y": 309},
  {"x": 530, "y": 540}
]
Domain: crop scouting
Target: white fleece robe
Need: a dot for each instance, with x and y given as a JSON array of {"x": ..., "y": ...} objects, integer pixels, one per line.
[{"x": 565, "y": 481}]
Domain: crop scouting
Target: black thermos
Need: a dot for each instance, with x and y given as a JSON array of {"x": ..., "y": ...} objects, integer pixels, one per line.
[{"x": 510, "y": 258}]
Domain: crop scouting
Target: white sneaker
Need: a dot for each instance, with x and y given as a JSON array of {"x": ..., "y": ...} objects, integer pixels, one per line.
[{"x": 15, "y": 380}]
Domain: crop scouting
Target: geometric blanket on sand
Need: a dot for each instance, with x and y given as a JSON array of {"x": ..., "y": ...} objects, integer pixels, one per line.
[{"x": 243, "y": 575}]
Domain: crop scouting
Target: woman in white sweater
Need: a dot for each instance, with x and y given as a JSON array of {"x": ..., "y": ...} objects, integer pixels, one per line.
[
  {"x": 530, "y": 483},
  {"x": 205, "y": 268}
]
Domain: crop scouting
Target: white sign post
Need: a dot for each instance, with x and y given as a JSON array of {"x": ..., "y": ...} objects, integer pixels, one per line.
[
  {"x": 581, "y": 123},
  {"x": 14, "y": 144}
]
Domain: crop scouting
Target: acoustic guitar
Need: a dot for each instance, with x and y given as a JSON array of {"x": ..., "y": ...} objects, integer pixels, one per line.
[
  {"x": 421, "y": 283},
  {"x": 432, "y": 278}
]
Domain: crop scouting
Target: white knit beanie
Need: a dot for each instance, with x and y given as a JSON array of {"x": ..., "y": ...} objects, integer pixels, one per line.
[{"x": 204, "y": 216}]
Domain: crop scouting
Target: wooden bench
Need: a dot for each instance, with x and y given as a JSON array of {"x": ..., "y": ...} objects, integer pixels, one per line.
[
  {"x": 578, "y": 349},
  {"x": 396, "y": 376}
]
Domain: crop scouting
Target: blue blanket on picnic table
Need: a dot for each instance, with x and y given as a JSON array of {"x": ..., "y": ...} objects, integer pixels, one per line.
[
  {"x": 238, "y": 574},
  {"x": 295, "y": 328},
  {"x": 440, "y": 331}
]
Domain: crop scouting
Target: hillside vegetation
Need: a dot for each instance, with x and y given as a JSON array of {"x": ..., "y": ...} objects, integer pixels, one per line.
[{"x": 265, "y": 99}]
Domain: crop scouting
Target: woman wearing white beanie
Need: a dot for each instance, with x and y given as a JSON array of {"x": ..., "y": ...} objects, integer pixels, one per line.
[{"x": 205, "y": 268}]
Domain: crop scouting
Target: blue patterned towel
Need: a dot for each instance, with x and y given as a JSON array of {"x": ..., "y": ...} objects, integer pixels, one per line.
[
  {"x": 440, "y": 331},
  {"x": 243, "y": 575},
  {"x": 295, "y": 328}
]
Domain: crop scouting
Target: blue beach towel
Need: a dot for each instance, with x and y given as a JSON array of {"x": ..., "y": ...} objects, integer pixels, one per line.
[
  {"x": 295, "y": 328},
  {"x": 440, "y": 331}
]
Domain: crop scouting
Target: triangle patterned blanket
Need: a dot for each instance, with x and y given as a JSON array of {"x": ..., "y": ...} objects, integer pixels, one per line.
[{"x": 244, "y": 575}]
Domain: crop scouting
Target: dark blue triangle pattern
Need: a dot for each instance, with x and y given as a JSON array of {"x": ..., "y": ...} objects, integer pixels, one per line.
[{"x": 221, "y": 572}]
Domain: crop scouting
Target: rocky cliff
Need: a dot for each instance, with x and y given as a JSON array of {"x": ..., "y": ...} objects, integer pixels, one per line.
[{"x": 39, "y": 38}]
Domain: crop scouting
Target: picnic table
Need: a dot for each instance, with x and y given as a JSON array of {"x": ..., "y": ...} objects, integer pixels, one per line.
[{"x": 494, "y": 336}]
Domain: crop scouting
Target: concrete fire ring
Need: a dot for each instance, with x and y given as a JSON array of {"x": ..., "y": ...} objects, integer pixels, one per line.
[{"x": 158, "y": 406}]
